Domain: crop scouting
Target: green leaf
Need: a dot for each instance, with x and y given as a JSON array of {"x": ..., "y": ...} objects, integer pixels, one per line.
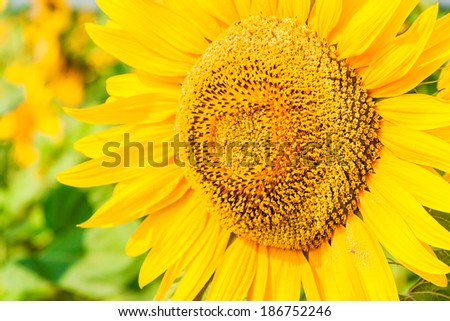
[
  {"x": 99, "y": 275},
  {"x": 442, "y": 218},
  {"x": 19, "y": 283},
  {"x": 104, "y": 272},
  {"x": 10, "y": 96},
  {"x": 425, "y": 291},
  {"x": 59, "y": 257},
  {"x": 24, "y": 188},
  {"x": 65, "y": 207},
  {"x": 145, "y": 294}
]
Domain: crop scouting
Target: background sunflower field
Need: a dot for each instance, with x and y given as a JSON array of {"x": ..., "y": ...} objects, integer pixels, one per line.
[{"x": 47, "y": 62}]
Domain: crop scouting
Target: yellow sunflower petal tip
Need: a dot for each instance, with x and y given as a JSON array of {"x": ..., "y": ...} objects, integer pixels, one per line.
[
  {"x": 60, "y": 177},
  {"x": 90, "y": 223},
  {"x": 72, "y": 177}
]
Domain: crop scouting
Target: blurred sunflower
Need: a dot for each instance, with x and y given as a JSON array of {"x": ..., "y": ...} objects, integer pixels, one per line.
[
  {"x": 3, "y": 4},
  {"x": 329, "y": 84},
  {"x": 34, "y": 113},
  {"x": 42, "y": 70},
  {"x": 49, "y": 21}
]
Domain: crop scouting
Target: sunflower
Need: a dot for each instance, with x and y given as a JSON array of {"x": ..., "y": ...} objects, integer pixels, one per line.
[{"x": 300, "y": 151}]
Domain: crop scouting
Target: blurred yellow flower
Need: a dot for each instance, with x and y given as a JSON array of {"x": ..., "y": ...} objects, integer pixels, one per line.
[
  {"x": 34, "y": 114},
  {"x": 330, "y": 84},
  {"x": 42, "y": 69},
  {"x": 78, "y": 44},
  {"x": 3, "y": 4},
  {"x": 50, "y": 19}
]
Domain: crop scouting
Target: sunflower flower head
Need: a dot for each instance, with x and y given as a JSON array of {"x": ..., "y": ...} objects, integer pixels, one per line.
[
  {"x": 298, "y": 151},
  {"x": 275, "y": 66}
]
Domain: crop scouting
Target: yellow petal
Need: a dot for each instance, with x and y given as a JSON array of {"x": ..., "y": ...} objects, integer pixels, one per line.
[
  {"x": 149, "y": 230},
  {"x": 436, "y": 53},
  {"x": 348, "y": 282},
  {"x": 118, "y": 164},
  {"x": 321, "y": 264},
  {"x": 152, "y": 227},
  {"x": 438, "y": 43},
  {"x": 442, "y": 133},
  {"x": 149, "y": 108},
  {"x": 365, "y": 26},
  {"x": 235, "y": 272},
  {"x": 294, "y": 9},
  {"x": 94, "y": 144},
  {"x": 308, "y": 281},
  {"x": 436, "y": 279},
  {"x": 370, "y": 261},
  {"x": 182, "y": 188},
  {"x": 127, "y": 85},
  {"x": 416, "y": 111},
  {"x": 178, "y": 238},
  {"x": 396, "y": 199},
  {"x": 386, "y": 34},
  {"x": 324, "y": 16},
  {"x": 429, "y": 189},
  {"x": 258, "y": 288},
  {"x": 284, "y": 279},
  {"x": 194, "y": 14},
  {"x": 203, "y": 266},
  {"x": 416, "y": 147},
  {"x": 94, "y": 173},
  {"x": 125, "y": 48},
  {"x": 349, "y": 9},
  {"x": 211, "y": 231},
  {"x": 134, "y": 16},
  {"x": 169, "y": 278},
  {"x": 263, "y": 7},
  {"x": 395, "y": 61},
  {"x": 397, "y": 237},
  {"x": 243, "y": 8},
  {"x": 224, "y": 10},
  {"x": 147, "y": 190}
]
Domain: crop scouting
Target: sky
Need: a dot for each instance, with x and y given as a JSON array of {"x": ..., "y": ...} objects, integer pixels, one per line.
[
  {"x": 91, "y": 3},
  {"x": 74, "y": 3}
]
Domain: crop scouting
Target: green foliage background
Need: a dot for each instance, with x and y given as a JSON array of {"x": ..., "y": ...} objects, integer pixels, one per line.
[{"x": 44, "y": 256}]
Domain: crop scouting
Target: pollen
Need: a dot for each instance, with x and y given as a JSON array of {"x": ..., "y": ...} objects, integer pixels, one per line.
[{"x": 280, "y": 133}]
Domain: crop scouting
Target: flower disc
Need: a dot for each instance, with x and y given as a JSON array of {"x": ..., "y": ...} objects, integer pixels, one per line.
[{"x": 281, "y": 133}]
